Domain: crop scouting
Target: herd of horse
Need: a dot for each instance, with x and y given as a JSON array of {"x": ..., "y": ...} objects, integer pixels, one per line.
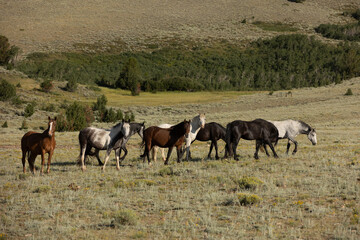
[{"x": 263, "y": 132}]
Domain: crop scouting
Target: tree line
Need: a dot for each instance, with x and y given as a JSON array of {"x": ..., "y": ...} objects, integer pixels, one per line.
[{"x": 283, "y": 62}]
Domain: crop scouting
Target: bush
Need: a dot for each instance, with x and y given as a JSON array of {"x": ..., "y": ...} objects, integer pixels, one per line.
[
  {"x": 246, "y": 199},
  {"x": 5, "y": 125},
  {"x": 349, "y": 92},
  {"x": 248, "y": 183},
  {"x": 124, "y": 217},
  {"x": 29, "y": 110},
  {"x": 129, "y": 116},
  {"x": 7, "y": 52},
  {"x": 350, "y": 32},
  {"x": 100, "y": 104},
  {"x": 7, "y": 90},
  {"x": 356, "y": 14},
  {"x": 46, "y": 86},
  {"x": 76, "y": 118},
  {"x": 111, "y": 116},
  {"x": 49, "y": 107},
  {"x": 71, "y": 85}
]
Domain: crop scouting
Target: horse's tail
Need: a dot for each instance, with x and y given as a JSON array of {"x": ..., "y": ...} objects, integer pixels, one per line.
[{"x": 228, "y": 139}]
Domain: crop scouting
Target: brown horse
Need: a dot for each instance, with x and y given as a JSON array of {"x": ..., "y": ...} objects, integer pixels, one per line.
[
  {"x": 33, "y": 144},
  {"x": 166, "y": 138}
]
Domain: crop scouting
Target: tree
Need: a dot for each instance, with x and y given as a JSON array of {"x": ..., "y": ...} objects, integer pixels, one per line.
[
  {"x": 130, "y": 77},
  {"x": 7, "y": 90},
  {"x": 7, "y": 52}
]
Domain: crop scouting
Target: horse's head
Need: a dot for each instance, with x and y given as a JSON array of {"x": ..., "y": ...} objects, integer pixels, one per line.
[
  {"x": 51, "y": 126},
  {"x": 202, "y": 120},
  {"x": 312, "y": 136},
  {"x": 187, "y": 125},
  {"x": 125, "y": 128}
]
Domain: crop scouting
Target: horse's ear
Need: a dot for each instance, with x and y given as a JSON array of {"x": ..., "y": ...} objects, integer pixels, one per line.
[
  {"x": 123, "y": 120},
  {"x": 55, "y": 118},
  {"x": 49, "y": 118},
  {"x": 143, "y": 123}
]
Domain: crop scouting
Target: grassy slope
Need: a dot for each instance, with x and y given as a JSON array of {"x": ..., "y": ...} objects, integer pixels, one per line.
[{"x": 312, "y": 195}]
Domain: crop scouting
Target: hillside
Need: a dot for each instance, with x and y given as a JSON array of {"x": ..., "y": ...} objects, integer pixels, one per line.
[{"x": 36, "y": 25}]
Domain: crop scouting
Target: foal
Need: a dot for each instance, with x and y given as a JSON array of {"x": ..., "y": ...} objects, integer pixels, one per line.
[{"x": 33, "y": 144}]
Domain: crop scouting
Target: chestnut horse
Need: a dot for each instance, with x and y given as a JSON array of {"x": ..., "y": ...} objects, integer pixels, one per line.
[
  {"x": 33, "y": 144},
  {"x": 166, "y": 138}
]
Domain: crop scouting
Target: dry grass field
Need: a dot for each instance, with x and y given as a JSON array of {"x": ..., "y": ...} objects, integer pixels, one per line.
[
  {"x": 36, "y": 25},
  {"x": 312, "y": 195}
]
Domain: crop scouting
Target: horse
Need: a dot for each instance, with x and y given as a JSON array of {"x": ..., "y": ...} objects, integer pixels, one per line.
[
  {"x": 291, "y": 128},
  {"x": 213, "y": 132},
  {"x": 260, "y": 130},
  {"x": 166, "y": 138},
  {"x": 33, "y": 144},
  {"x": 118, "y": 146},
  {"x": 101, "y": 139},
  {"x": 197, "y": 123}
]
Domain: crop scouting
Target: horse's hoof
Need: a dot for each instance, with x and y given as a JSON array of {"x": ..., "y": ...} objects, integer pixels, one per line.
[{"x": 276, "y": 156}]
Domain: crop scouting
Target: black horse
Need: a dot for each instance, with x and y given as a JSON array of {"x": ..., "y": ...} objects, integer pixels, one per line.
[
  {"x": 212, "y": 132},
  {"x": 260, "y": 130},
  {"x": 119, "y": 145}
]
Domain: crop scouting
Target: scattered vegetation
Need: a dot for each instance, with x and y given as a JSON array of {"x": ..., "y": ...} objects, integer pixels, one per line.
[
  {"x": 124, "y": 217},
  {"x": 24, "y": 125},
  {"x": 7, "y": 53},
  {"x": 75, "y": 118},
  {"x": 46, "y": 85},
  {"x": 246, "y": 199},
  {"x": 29, "y": 110},
  {"x": 7, "y": 90},
  {"x": 284, "y": 62},
  {"x": 349, "y": 32},
  {"x": 5, "y": 125},
  {"x": 348, "y": 92},
  {"x": 250, "y": 183},
  {"x": 275, "y": 26},
  {"x": 71, "y": 85}
]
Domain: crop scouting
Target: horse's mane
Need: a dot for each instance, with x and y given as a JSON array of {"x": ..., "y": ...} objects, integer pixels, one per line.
[
  {"x": 306, "y": 126},
  {"x": 117, "y": 125}
]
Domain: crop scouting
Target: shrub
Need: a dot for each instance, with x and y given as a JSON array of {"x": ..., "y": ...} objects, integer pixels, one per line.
[
  {"x": 29, "y": 110},
  {"x": 350, "y": 32},
  {"x": 7, "y": 90},
  {"x": 76, "y": 118},
  {"x": 248, "y": 199},
  {"x": 71, "y": 85},
  {"x": 129, "y": 116},
  {"x": 349, "y": 92},
  {"x": 49, "y": 107},
  {"x": 18, "y": 85},
  {"x": 356, "y": 14},
  {"x": 166, "y": 171},
  {"x": 124, "y": 217},
  {"x": 42, "y": 189},
  {"x": 100, "y": 104},
  {"x": 46, "y": 86},
  {"x": 7, "y": 52},
  {"x": 5, "y": 125},
  {"x": 24, "y": 125},
  {"x": 111, "y": 116},
  {"x": 130, "y": 77},
  {"x": 248, "y": 183}
]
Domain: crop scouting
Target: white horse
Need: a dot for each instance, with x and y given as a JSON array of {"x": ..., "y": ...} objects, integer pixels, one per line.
[
  {"x": 197, "y": 123},
  {"x": 101, "y": 139},
  {"x": 291, "y": 128}
]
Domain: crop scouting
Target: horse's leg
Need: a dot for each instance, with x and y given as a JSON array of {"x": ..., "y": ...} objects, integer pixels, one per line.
[
  {"x": 235, "y": 143},
  {"x": 82, "y": 157},
  {"x": 266, "y": 151},
  {"x": 31, "y": 160},
  {"x": 23, "y": 159},
  {"x": 296, "y": 145},
  {"x": 117, "y": 156},
  {"x": 108, "y": 151},
  {"x": 210, "y": 150},
  {"x": 42, "y": 161},
  {"x": 257, "y": 147},
  {"x": 163, "y": 154},
  {"x": 187, "y": 144},
  {"x": 125, "y": 152},
  {"x": 268, "y": 142},
  {"x": 49, "y": 161},
  {"x": 179, "y": 153},
  {"x": 154, "y": 153},
  {"x": 97, "y": 151},
  {"x": 168, "y": 155}
]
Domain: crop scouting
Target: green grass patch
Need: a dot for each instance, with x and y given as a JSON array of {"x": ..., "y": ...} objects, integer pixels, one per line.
[{"x": 275, "y": 26}]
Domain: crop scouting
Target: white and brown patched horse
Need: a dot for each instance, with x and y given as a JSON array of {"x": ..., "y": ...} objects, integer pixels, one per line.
[
  {"x": 102, "y": 139},
  {"x": 197, "y": 123},
  {"x": 291, "y": 128}
]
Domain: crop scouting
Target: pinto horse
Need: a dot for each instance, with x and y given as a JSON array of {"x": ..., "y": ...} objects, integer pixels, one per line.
[
  {"x": 260, "y": 130},
  {"x": 166, "y": 138},
  {"x": 197, "y": 123},
  {"x": 33, "y": 144}
]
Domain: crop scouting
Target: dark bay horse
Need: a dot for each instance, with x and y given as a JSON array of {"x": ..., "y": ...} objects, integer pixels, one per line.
[
  {"x": 101, "y": 139},
  {"x": 212, "y": 132},
  {"x": 119, "y": 145},
  {"x": 166, "y": 138},
  {"x": 260, "y": 130},
  {"x": 33, "y": 144}
]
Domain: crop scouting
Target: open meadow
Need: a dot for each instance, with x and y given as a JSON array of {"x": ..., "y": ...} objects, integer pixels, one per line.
[{"x": 311, "y": 195}]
